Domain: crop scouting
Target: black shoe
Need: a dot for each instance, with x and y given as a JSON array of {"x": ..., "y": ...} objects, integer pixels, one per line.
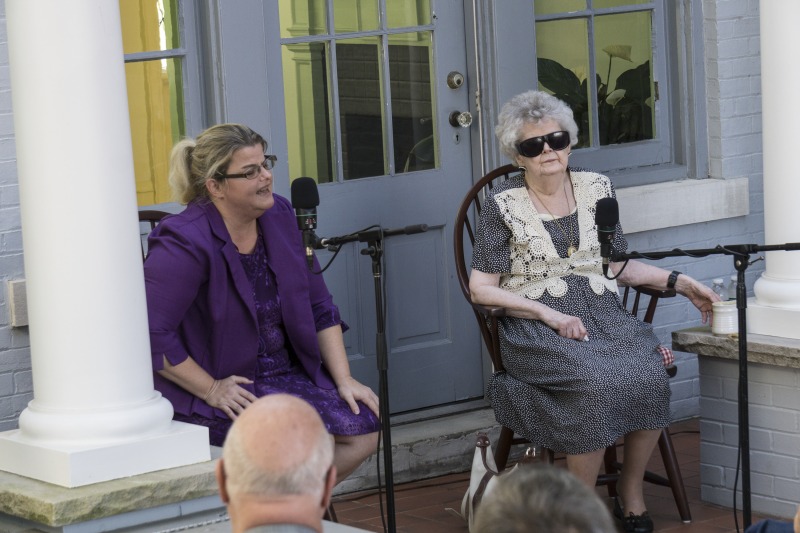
[{"x": 633, "y": 523}]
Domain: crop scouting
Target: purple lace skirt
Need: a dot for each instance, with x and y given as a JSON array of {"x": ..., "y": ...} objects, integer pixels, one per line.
[{"x": 276, "y": 373}]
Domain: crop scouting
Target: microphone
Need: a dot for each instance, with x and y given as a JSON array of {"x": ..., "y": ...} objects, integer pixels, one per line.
[
  {"x": 305, "y": 200},
  {"x": 606, "y": 218}
]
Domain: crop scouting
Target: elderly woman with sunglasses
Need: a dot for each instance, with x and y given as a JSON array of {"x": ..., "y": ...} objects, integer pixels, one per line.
[
  {"x": 581, "y": 371},
  {"x": 234, "y": 312}
]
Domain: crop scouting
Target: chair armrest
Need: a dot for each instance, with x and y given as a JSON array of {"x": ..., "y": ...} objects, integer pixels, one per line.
[{"x": 488, "y": 310}]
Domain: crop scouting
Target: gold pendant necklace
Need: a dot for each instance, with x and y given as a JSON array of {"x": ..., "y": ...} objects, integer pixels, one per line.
[{"x": 571, "y": 249}]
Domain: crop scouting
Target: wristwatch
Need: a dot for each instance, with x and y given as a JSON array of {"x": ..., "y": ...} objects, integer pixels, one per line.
[{"x": 673, "y": 277}]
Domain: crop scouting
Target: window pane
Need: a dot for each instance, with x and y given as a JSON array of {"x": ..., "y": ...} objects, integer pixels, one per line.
[
  {"x": 308, "y": 112},
  {"x": 149, "y": 25},
  {"x": 361, "y": 107},
  {"x": 413, "y": 116},
  {"x": 404, "y": 13},
  {"x": 564, "y": 70},
  {"x": 355, "y": 15},
  {"x": 550, "y": 7},
  {"x": 623, "y": 57},
  {"x": 155, "y": 103},
  {"x": 299, "y": 19},
  {"x": 601, "y": 4}
]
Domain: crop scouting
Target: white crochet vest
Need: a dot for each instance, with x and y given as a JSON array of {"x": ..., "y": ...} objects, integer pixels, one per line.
[{"x": 535, "y": 264}]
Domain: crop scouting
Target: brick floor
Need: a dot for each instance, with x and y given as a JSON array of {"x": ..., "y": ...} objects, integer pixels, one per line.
[{"x": 432, "y": 505}]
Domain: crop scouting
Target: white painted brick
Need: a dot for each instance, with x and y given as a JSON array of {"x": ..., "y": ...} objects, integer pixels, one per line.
[
  {"x": 722, "y": 410},
  {"x": 711, "y": 431},
  {"x": 685, "y": 409},
  {"x": 772, "y": 417},
  {"x": 770, "y": 463},
  {"x": 759, "y": 393},
  {"x": 735, "y": 48},
  {"x": 23, "y": 382},
  {"x": 787, "y": 489},
  {"x": 788, "y": 397},
  {"x": 711, "y": 386},
  {"x": 759, "y": 483},
  {"x": 726, "y": 10},
  {"x": 774, "y": 375},
  {"x": 712, "y": 475},
  {"x": 717, "y": 454},
  {"x": 786, "y": 443},
  {"x": 760, "y": 439},
  {"x": 773, "y": 507}
]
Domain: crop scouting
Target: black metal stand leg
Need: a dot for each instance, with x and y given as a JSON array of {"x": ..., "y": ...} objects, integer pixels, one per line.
[
  {"x": 741, "y": 264},
  {"x": 375, "y": 251}
]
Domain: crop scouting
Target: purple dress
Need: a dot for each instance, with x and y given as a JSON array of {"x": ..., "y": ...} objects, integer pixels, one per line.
[{"x": 277, "y": 369}]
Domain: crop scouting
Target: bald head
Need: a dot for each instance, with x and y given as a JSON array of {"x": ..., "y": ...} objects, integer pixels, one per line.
[{"x": 277, "y": 446}]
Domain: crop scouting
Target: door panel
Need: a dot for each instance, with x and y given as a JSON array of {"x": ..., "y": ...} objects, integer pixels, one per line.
[{"x": 366, "y": 114}]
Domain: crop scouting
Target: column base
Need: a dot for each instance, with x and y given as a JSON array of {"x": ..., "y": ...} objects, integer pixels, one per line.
[
  {"x": 70, "y": 465},
  {"x": 773, "y": 321}
]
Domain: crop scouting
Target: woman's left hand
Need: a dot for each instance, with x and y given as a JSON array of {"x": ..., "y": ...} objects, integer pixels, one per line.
[
  {"x": 351, "y": 390},
  {"x": 702, "y": 297}
]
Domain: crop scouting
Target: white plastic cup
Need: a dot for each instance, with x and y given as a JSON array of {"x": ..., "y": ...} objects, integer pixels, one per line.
[{"x": 725, "y": 319}]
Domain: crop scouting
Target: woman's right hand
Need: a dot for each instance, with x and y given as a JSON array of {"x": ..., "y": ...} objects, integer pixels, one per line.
[
  {"x": 227, "y": 396},
  {"x": 567, "y": 326}
]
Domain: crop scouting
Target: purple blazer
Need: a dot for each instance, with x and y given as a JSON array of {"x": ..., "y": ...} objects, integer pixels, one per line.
[{"x": 200, "y": 302}]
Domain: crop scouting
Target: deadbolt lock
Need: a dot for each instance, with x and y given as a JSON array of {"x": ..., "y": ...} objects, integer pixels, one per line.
[{"x": 455, "y": 80}]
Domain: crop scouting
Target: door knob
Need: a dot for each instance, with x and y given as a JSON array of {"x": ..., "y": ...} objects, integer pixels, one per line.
[{"x": 460, "y": 119}]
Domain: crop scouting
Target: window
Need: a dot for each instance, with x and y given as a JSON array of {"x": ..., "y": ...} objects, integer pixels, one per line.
[
  {"x": 358, "y": 88},
  {"x": 155, "y": 59},
  {"x": 605, "y": 59}
]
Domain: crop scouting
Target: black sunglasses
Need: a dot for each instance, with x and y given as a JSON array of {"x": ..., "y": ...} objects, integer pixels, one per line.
[{"x": 558, "y": 140}]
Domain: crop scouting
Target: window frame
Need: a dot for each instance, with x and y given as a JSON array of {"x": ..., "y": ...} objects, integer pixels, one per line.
[
  {"x": 190, "y": 55},
  {"x": 502, "y": 72}
]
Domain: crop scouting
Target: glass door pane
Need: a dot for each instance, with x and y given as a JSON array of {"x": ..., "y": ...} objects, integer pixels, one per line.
[
  {"x": 413, "y": 110},
  {"x": 361, "y": 106},
  {"x": 307, "y": 102}
]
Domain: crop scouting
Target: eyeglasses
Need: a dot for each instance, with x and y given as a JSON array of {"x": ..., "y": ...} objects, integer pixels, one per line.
[
  {"x": 254, "y": 172},
  {"x": 558, "y": 140}
]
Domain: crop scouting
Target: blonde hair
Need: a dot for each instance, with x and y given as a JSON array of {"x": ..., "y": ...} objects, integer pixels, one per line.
[{"x": 194, "y": 161}]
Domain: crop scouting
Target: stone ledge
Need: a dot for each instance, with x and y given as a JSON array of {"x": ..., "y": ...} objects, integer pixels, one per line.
[
  {"x": 764, "y": 349},
  {"x": 53, "y": 505}
]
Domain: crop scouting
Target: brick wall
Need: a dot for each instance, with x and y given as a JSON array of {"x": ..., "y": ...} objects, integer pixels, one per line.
[
  {"x": 733, "y": 99},
  {"x": 774, "y": 435},
  {"x": 15, "y": 368}
]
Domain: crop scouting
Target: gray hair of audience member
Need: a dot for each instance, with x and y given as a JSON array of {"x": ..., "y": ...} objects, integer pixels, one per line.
[
  {"x": 195, "y": 161},
  {"x": 278, "y": 446},
  {"x": 540, "y": 499},
  {"x": 531, "y": 107}
]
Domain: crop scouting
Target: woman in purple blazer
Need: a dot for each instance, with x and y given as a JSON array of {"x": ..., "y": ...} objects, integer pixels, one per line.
[{"x": 234, "y": 312}]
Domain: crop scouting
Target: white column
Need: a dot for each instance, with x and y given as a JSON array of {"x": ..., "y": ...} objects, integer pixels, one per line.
[
  {"x": 95, "y": 415},
  {"x": 776, "y": 308}
]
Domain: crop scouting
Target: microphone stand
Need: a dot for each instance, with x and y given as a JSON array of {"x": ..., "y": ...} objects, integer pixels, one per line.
[
  {"x": 741, "y": 260},
  {"x": 374, "y": 239}
]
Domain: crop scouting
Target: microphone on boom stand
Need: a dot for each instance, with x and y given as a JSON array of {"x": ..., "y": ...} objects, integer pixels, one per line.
[
  {"x": 305, "y": 200},
  {"x": 606, "y": 218}
]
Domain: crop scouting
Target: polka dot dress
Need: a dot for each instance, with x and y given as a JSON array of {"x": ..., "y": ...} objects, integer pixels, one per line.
[{"x": 572, "y": 396}]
